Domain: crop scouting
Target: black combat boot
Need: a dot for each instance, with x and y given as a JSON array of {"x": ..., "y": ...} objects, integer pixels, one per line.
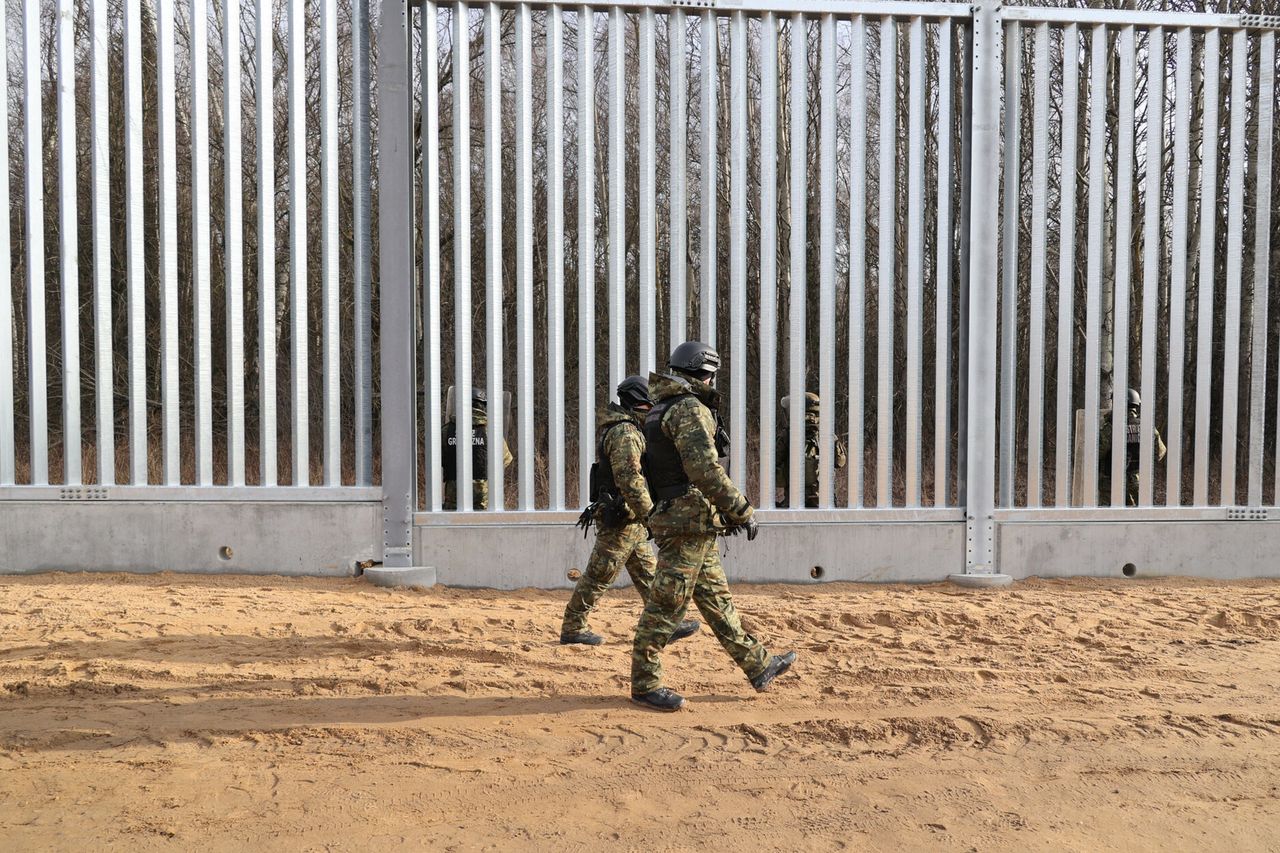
[
  {"x": 662, "y": 699},
  {"x": 778, "y": 664},
  {"x": 581, "y": 638},
  {"x": 685, "y": 629}
]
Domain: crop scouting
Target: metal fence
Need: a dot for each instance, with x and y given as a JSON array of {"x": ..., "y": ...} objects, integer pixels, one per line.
[
  {"x": 194, "y": 342},
  {"x": 970, "y": 228}
]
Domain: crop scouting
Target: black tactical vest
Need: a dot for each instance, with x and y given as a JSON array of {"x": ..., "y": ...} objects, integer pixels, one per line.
[
  {"x": 663, "y": 467},
  {"x": 479, "y": 453},
  {"x": 602, "y": 479}
]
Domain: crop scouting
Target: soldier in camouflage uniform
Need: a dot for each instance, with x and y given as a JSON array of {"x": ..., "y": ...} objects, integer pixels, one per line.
[
  {"x": 1133, "y": 451},
  {"x": 694, "y": 502},
  {"x": 479, "y": 455},
  {"x": 620, "y": 505},
  {"x": 782, "y": 456}
]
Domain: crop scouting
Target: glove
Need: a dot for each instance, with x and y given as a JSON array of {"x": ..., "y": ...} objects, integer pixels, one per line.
[
  {"x": 752, "y": 527},
  {"x": 738, "y": 513}
]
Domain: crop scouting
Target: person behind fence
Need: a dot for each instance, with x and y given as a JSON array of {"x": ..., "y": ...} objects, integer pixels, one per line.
[
  {"x": 694, "y": 501},
  {"x": 619, "y": 508},
  {"x": 479, "y": 455},
  {"x": 782, "y": 456},
  {"x": 1133, "y": 451}
]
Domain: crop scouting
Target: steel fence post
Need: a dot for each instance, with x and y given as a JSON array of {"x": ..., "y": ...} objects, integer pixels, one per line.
[{"x": 980, "y": 457}]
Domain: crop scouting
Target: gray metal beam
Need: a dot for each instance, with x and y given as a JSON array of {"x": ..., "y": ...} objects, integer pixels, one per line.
[{"x": 395, "y": 236}]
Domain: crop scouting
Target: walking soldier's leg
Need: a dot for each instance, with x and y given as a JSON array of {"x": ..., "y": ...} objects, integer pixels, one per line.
[
  {"x": 679, "y": 561},
  {"x": 711, "y": 594},
  {"x": 613, "y": 549},
  {"x": 642, "y": 565}
]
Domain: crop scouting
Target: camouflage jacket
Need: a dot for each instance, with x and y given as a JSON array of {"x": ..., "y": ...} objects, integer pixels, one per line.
[
  {"x": 782, "y": 455},
  {"x": 714, "y": 501},
  {"x": 623, "y": 445}
]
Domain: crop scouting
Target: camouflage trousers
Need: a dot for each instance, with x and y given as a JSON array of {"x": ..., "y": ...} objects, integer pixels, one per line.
[
  {"x": 615, "y": 547},
  {"x": 1130, "y": 490},
  {"x": 479, "y": 494},
  {"x": 689, "y": 568}
]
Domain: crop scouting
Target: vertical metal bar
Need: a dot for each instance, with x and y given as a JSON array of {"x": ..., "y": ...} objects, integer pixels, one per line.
[
  {"x": 1093, "y": 290},
  {"x": 1009, "y": 256},
  {"x": 915, "y": 259},
  {"x": 136, "y": 258},
  {"x": 1208, "y": 237},
  {"x": 738, "y": 245},
  {"x": 34, "y": 168},
  {"x": 395, "y": 239},
  {"x": 827, "y": 258},
  {"x": 461, "y": 251},
  {"x": 68, "y": 249},
  {"x": 434, "y": 423},
  {"x": 1123, "y": 266},
  {"x": 1039, "y": 229},
  {"x": 1262, "y": 267},
  {"x": 857, "y": 255},
  {"x": 678, "y": 169},
  {"x": 1153, "y": 251},
  {"x": 768, "y": 257},
  {"x": 524, "y": 255},
  {"x": 1235, "y": 266},
  {"x": 965, "y": 256},
  {"x": 169, "y": 377},
  {"x": 1067, "y": 264},
  {"x": 332, "y": 393},
  {"x": 233, "y": 242},
  {"x": 983, "y": 269},
  {"x": 617, "y": 199},
  {"x": 8, "y": 461},
  {"x": 493, "y": 309},
  {"x": 202, "y": 303},
  {"x": 887, "y": 258},
  {"x": 298, "y": 242},
  {"x": 798, "y": 253},
  {"x": 710, "y": 184},
  {"x": 586, "y": 251},
  {"x": 556, "y": 366},
  {"x": 942, "y": 313},
  {"x": 266, "y": 246},
  {"x": 361, "y": 218},
  {"x": 648, "y": 214},
  {"x": 1178, "y": 264}
]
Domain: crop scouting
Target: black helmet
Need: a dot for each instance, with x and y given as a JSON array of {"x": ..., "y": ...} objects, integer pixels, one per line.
[
  {"x": 694, "y": 358},
  {"x": 1135, "y": 400},
  {"x": 478, "y": 397},
  {"x": 633, "y": 392}
]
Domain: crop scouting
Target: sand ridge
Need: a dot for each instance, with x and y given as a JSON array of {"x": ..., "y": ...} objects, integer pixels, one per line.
[{"x": 161, "y": 712}]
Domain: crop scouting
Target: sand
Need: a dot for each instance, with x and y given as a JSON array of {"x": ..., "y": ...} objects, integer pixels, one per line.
[{"x": 179, "y": 713}]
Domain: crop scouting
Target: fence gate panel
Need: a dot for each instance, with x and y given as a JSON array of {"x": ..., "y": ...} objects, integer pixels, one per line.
[
  {"x": 592, "y": 185},
  {"x": 185, "y": 359},
  {"x": 1137, "y": 246}
]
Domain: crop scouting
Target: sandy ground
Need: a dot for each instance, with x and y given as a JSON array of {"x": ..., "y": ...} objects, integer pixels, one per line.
[{"x": 185, "y": 713}]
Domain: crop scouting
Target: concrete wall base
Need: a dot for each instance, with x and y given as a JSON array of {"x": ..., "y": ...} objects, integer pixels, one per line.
[
  {"x": 239, "y": 537},
  {"x": 1208, "y": 549},
  {"x": 544, "y": 554}
]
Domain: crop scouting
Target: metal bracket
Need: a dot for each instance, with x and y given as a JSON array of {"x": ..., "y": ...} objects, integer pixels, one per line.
[
  {"x": 82, "y": 494},
  {"x": 1260, "y": 22},
  {"x": 1248, "y": 514}
]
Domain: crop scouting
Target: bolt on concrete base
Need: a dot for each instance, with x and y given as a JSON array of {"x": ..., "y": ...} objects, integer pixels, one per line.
[{"x": 401, "y": 576}]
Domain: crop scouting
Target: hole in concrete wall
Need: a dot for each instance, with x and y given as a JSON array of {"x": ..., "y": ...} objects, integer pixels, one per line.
[
  {"x": 817, "y": 572},
  {"x": 1129, "y": 570},
  {"x": 574, "y": 574},
  {"x": 225, "y": 553}
]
